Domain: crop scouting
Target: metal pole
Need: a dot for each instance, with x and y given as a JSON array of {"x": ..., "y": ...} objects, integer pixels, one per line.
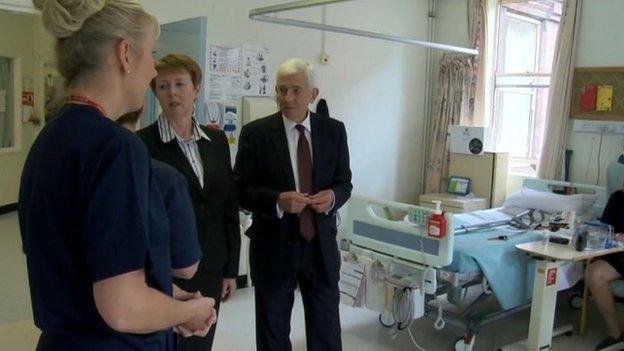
[
  {"x": 291, "y": 6},
  {"x": 362, "y": 33},
  {"x": 259, "y": 15},
  {"x": 428, "y": 111}
]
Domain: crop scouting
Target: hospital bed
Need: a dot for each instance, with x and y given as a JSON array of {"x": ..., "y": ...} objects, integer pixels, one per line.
[{"x": 392, "y": 236}]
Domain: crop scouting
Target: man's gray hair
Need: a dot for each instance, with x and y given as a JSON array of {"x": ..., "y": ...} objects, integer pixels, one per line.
[{"x": 297, "y": 65}]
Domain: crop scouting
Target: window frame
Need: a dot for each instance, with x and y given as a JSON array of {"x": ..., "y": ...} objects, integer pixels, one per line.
[
  {"x": 16, "y": 73},
  {"x": 535, "y": 82}
]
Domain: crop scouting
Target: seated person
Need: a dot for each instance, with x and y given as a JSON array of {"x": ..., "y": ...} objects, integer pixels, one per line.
[{"x": 605, "y": 269}]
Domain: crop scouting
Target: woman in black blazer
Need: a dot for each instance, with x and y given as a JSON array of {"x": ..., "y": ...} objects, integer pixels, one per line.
[{"x": 203, "y": 156}]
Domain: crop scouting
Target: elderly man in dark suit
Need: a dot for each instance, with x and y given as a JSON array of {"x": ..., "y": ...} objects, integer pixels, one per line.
[{"x": 292, "y": 172}]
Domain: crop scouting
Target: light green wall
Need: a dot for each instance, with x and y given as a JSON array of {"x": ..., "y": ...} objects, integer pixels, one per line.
[{"x": 22, "y": 35}]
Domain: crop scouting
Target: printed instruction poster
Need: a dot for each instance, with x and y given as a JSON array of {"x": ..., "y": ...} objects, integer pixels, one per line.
[
  {"x": 255, "y": 70},
  {"x": 224, "y": 77},
  {"x": 225, "y": 59},
  {"x": 223, "y": 87}
]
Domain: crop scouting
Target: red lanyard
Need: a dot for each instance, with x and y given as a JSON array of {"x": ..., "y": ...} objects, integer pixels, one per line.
[{"x": 79, "y": 98}]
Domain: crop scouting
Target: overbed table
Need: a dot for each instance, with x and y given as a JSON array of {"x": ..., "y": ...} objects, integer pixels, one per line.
[{"x": 549, "y": 257}]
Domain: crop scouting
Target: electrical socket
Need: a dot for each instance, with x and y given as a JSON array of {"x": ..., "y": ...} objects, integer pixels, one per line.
[
  {"x": 324, "y": 59},
  {"x": 607, "y": 129}
]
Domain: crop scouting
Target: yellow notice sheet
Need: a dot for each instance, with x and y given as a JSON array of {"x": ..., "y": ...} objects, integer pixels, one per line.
[{"x": 604, "y": 98}]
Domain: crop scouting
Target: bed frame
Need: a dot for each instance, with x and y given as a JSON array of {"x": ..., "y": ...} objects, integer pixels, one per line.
[{"x": 378, "y": 231}]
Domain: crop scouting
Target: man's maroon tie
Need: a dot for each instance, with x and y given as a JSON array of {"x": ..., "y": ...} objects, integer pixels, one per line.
[{"x": 304, "y": 165}]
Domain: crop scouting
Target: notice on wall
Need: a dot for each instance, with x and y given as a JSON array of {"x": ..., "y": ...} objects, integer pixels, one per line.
[
  {"x": 224, "y": 76},
  {"x": 28, "y": 106},
  {"x": 256, "y": 70},
  {"x": 214, "y": 112},
  {"x": 225, "y": 59},
  {"x": 230, "y": 124},
  {"x": 604, "y": 98},
  {"x": 223, "y": 87}
]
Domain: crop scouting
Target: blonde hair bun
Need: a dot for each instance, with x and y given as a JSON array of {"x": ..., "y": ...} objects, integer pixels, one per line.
[{"x": 63, "y": 18}]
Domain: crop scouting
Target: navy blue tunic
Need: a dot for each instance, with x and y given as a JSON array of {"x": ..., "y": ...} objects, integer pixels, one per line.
[
  {"x": 85, "y": 208},
  {"x": 173, "y": 187}
]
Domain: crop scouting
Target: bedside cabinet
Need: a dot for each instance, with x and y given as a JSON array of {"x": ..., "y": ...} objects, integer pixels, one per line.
[{"x": 454, "y": 203}]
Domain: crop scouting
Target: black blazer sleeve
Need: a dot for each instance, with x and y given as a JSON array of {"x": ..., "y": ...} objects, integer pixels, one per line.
[
  {"x": 231, "y": 223},
  {"x": 341, "y": 184},
  {"x": 252, "y": 195}
]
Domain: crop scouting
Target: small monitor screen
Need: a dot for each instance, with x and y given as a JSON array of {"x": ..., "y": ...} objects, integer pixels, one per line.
[{"x": 458, "y": 185}]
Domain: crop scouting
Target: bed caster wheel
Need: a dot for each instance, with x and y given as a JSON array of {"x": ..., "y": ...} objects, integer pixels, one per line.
[
  {"x": 461, "y": 344},
  {"x": 386, "y": 319},
  {"x": 576, "y": 301}
]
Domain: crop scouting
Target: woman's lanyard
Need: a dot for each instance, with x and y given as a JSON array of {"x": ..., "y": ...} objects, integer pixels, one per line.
[{"x": 84, "y": 100}]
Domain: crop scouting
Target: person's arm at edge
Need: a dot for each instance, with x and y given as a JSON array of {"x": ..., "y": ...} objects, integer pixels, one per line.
[
  {"x": 128, "y": 305},
  {"x": 186, "y": 272}
]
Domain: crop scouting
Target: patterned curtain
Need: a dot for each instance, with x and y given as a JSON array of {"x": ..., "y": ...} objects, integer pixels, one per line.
[
  {"x": 454, "y": 103},
  {"x": 477, "y": 18},
  {"x": 459, "y": 95}
]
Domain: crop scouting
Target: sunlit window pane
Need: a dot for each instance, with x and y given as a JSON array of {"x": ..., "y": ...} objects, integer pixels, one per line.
[
  {"x": 527, "y": 33},
  {"x": 513, "y": 116},
  {"x": 520, "y": 46}
]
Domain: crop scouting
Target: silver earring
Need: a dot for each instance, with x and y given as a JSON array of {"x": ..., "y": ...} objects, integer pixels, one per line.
[{"x": 128, "y": 71}]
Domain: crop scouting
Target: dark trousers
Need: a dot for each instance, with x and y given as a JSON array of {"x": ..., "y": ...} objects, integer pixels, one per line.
[
  {"x": 320, "y": 302},
  {"x": 210, "y": 285}
]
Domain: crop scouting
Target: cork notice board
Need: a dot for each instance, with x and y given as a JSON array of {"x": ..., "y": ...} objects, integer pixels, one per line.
[{"x": 598, "y": 78}]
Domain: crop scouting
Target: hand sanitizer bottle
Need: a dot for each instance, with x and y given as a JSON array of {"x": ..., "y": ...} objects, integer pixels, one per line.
[{"x": 436, "y": 225}]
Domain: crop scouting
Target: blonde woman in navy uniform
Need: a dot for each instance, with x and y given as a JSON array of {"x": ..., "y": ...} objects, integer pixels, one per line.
[{"x": 100, "y": 279}]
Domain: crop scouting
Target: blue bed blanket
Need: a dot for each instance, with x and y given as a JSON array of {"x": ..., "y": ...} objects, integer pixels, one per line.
[{"x": 508, "y": 271}]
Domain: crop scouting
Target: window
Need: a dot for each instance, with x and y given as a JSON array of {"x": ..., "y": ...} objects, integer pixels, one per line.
[
  {"x": 526, "y": 37},
  {"x": 9, "y": 102}
]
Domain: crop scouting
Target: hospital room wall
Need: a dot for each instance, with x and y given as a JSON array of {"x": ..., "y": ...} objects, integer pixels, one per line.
[
  {"x": 22, "y": 36},
  {"x": 600, "y": 44},
  {"x": 375, "y": 87}
]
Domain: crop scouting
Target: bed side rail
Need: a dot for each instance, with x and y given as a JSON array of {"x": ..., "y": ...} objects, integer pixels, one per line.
[{"x": 383, "y": 226}]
